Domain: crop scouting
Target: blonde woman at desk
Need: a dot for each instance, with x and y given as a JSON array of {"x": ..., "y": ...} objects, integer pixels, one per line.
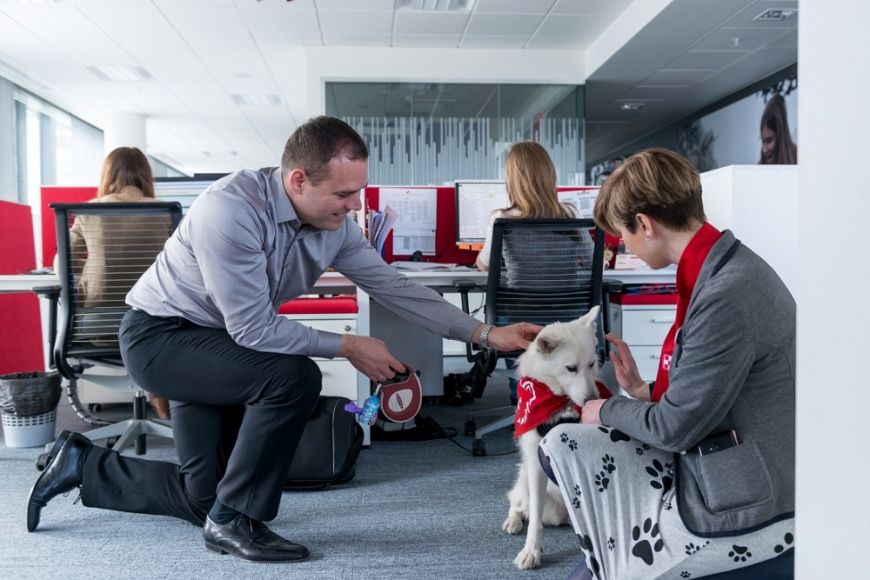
[
  {"x": 530, "y": 178},
  {"x": 126, "y": 177}
]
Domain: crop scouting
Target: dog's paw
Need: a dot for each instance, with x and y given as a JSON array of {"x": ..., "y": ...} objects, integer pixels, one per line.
[
  {"x": 513, "y": 525},
  {"x": 529, "y": 558}
]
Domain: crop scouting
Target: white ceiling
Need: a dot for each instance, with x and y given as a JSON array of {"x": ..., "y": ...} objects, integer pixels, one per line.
[{"x": 200, "y": 53}]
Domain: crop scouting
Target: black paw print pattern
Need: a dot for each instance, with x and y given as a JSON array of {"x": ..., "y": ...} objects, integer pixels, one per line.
[
  {"x": 563, "y": 437},
  {"x": 787, "y": 541},
  {"x": 615, "y": 434},
  {"x": 647, "y": 542},
  {"x": 575, "y": 500},
  {"x": 739, "y": 553},
  {"x": 661, "y": 475},
  {"x": 572, "y": 445},
  {"x": 685, "y": 574},
  {"x": 609, "y": 466},
  {"x": 588, "y": 549},
  {"x": 611, "y": 544},
  {"x": 691, "y": 548},
  {"x": 640, "y": 450},
  {"x": 602, "y": 481}
]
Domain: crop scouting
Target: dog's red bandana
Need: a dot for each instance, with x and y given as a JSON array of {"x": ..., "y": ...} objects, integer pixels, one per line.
[
  {"x": 687, "y": 274},
  {"x": 536, "y": 404}
]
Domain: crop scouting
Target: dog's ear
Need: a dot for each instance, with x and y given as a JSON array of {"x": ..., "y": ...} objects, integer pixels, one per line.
[
  {"x": 590, "y": 317},
  {"x": 546, "y": 345}
]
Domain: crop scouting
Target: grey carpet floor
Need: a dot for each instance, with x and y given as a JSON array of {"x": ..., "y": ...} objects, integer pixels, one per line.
[{"x": 422, "y": 509}]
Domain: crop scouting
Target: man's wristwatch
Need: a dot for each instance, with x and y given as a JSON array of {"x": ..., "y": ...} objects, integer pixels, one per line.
[{"x": 483, "y": 341}]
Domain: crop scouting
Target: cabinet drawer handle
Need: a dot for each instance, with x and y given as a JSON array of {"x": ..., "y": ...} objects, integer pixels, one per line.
[
  {"x": 662, "y": 320},
  {"x": 654, "y": 356},
  {"x": 348, "y": 328}
]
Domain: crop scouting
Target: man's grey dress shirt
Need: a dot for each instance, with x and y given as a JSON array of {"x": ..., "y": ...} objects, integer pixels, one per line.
[{"x": 241, "y": 251}]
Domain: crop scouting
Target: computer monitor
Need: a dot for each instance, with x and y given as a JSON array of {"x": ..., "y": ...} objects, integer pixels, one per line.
[
  {"x": 475, "y": 202},
  {"x": 183, "y": 189}
]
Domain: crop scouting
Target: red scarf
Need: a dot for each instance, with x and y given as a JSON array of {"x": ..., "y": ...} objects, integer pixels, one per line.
[
  {"x": 536, "y": 404},
  {"x": 687, "y": 274}
]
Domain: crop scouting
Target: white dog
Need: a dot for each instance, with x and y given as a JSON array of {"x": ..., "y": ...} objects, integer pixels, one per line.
[{"x": 557, "y": 375}]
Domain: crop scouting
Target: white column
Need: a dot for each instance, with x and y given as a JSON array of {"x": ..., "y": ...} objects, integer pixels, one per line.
[
  {"x": 8, "y": 171},
  {"x": 833, "y": 382},
  {"x": 124, "y": 130}
]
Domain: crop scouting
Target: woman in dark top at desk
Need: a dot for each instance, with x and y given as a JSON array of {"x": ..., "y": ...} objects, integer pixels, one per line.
[
  {"x": 695, "y": 477},
  {"x": 530, "y": 179}
]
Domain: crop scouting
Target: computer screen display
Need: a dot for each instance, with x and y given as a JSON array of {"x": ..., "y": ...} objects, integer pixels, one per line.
[
  {"x": 183, "y": 189},
  {"x": 475, "y": 202}
]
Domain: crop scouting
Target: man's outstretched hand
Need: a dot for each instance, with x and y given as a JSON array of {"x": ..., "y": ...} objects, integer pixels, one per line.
[{"x": 513, "y": 337}]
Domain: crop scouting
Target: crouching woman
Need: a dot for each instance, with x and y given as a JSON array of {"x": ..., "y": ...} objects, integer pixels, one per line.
[{"x": 694, "y": 475}]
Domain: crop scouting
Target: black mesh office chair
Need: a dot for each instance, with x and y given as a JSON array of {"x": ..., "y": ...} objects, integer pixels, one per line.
[
  {"x": 541, "y": 271},
  {"x": 103, "y": 249}
]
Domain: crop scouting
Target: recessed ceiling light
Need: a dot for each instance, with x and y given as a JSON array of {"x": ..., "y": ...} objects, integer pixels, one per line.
[
  {"x": 256, "y": 100},
  {"x": 774, "y": 15},
  {"x": 434, "y": 5},
  {"x": 116, "y": 72},
  {"x": 631, "y": 106}
]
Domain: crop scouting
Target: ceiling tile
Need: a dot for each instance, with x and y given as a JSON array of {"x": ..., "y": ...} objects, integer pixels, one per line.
[
  {"x": 503, "y": 24},
  {"x": 705, "y": 59},
  {"x": 745, "y": 18},
  {"x": 610, "y": 8},
  {"x": 358, "y": 5},
  {"x": 514, "y": 6},
  {"x": 356, "y": 39},
  {"x": 747, "y": 38},
  {"x": 677, "y": 77},
  {"x": 349, "y": 22},
  {"x": 430, "y": 23},
  {"x": 572, "y": 26}
]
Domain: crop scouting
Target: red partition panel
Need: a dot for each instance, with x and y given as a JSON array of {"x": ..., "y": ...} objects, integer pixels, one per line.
[
  {"x": 445, "y": 228},
  {"x": 57, "y": 195},
  {"x": 20, "y": 329}
]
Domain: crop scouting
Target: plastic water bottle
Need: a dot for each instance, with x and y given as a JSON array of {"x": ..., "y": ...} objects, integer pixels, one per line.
[{"x": 369, "y": 413}]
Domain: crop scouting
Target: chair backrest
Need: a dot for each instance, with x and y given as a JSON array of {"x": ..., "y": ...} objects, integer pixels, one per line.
[
  {"x": 544, "y": 270},
  {"x": 103, "y": 249}
]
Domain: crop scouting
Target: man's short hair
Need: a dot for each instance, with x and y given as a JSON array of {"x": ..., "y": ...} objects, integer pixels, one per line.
[
  {"x": 317, "y": 142},
  {"x": 657, "y": 182}
]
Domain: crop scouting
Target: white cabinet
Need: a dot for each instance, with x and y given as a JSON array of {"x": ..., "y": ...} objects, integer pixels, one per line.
[
  {"x": 476, "y": 300},
  {"x": 644, "y": 328},
  {"x": 339, "y": 376}
]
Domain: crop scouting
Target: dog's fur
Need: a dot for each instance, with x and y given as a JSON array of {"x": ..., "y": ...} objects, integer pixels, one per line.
[{"x": 563, "y": 357}]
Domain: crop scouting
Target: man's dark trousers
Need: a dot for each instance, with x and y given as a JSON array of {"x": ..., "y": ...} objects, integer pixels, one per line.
[{"x": 237, "y": 417}]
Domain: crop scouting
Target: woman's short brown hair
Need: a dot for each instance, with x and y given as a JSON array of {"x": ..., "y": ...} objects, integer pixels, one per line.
[
  {"x": 655, "y": 182},
  {"x": 126, "y": 166}
]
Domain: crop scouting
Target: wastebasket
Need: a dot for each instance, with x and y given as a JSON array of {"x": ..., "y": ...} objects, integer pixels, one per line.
[{"x": 28, "y": 408}]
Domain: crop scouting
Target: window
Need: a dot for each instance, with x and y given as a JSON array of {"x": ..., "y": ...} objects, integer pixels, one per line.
[{"x": 435, "y": 133}]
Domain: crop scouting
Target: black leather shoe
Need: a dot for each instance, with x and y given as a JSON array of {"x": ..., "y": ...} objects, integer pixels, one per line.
[
  {"x": 62, "y": 474},
  {"x": 250, "y": 540}
]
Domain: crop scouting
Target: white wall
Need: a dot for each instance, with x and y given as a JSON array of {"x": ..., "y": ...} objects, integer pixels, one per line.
[
  {"x": 833, "y": 382},
  {"x": 437, "y": 65},
  {"x": 759, "y": 203}
]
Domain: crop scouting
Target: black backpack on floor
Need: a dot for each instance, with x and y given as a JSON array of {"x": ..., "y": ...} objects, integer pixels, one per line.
[{"x": 329, "y": 447}]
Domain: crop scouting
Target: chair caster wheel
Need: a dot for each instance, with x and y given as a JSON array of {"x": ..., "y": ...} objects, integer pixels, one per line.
[
  {"x": 470, "y": 428},
  {"x": 478, "y": 448},
  {"x": 42, "y": 461}
]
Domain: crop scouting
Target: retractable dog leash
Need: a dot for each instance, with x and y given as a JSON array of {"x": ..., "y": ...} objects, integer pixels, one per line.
[{"x": 402, "y": 398}]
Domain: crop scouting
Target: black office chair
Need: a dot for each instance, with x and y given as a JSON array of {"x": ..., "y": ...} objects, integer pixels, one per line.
[
  {"x": 541, "y": 271},
  {"x": 103, "y": 249}
]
